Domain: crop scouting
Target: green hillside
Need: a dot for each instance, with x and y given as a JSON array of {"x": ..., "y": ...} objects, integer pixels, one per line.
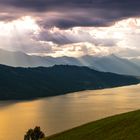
[{"x": 120, "y": 127}]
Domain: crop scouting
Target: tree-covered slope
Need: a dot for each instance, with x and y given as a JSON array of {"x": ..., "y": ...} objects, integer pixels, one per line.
[{"x": 26, "y": 83}]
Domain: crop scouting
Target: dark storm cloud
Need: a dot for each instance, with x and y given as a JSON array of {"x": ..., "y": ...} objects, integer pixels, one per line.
[
  {"x": 7, "y": 17},
  {"x": 52, "y": 4},
  {"x": 66, "y": 22},
  {"x": 74, "y": 12}
]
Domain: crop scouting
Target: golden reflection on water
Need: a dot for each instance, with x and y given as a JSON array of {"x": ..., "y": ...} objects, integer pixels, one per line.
[{"x": 59, "y": 113}]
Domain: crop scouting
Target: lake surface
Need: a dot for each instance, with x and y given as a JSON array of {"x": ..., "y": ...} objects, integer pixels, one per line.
[{"x": 56, "y": 114}]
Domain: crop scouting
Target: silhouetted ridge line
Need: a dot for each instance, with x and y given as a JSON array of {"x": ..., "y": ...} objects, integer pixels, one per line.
[{"x": 27, "y": 83}]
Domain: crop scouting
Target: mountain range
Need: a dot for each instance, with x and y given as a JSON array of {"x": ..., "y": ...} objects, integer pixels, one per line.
[
  {"x": 28, "y": 83},
  {"x": 110, "y": 63}
]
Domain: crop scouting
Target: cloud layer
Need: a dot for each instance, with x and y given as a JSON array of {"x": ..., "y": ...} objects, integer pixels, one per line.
[
  {"x": 76, "y": 27},
  {"x": 66, "y": 14}
]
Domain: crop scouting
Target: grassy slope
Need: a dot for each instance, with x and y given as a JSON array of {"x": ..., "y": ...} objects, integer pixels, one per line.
[{"x": 120, "y": 127}]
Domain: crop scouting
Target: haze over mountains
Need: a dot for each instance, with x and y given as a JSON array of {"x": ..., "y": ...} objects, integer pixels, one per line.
[
  {"x": 111, "y": 63},
  {"x": 136, "y": 61}
]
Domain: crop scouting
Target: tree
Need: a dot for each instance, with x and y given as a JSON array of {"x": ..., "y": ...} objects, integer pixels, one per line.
[{"x": 34, "y": 134}]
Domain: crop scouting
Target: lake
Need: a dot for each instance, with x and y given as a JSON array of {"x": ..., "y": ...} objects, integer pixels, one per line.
[{"x": 56, "y": 114}]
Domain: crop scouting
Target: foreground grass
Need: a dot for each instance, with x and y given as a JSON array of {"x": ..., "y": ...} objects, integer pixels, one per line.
[{"x": 120, "y": 127}]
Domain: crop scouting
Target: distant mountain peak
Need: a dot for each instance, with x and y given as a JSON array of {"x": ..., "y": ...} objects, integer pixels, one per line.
[{"x": 106, "y": 63}]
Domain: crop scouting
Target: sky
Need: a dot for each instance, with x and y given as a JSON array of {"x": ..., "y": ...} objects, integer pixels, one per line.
[{"x": 71, "y": 28}]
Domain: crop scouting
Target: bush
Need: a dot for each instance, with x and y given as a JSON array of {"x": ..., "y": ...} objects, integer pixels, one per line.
[{"x": 34, "y": 134}]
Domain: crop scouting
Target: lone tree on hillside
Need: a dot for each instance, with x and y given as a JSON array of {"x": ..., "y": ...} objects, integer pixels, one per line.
[{"x": 34, "y": 134}]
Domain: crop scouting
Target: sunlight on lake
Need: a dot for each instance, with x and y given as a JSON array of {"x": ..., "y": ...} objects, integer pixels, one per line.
[{"x": 56, "y": 114}]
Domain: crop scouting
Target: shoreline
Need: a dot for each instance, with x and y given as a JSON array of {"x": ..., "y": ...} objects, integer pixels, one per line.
[{"x": 39, "y": 98}]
